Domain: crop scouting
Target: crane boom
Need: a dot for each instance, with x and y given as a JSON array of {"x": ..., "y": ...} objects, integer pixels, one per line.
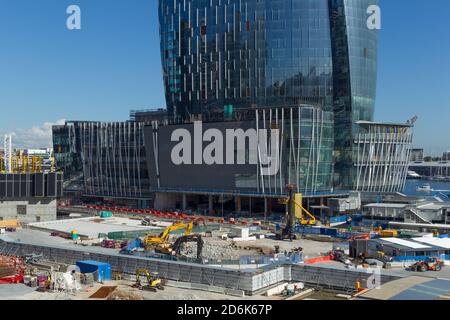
[
  {"x": 311, "y": 221},
  {"x": 164, "y": 236}
]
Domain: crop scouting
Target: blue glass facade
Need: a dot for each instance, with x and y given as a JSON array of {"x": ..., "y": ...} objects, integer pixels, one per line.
[
  {"x": 221, "y": 56},
  {"x": 355, "y": 75},
  {"x": 245, "y": 53}
]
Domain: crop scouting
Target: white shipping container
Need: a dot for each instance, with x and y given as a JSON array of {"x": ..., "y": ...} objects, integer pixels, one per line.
[{"x": 241, "y": 232}]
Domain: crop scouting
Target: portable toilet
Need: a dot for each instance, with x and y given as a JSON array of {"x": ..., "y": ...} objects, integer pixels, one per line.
[{"x": 74, "y": 235}]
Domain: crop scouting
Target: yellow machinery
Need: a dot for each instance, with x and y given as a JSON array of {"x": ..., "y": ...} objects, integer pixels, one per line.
[
  {"x": 164, "y": 236},
  {"x": 153, "y": 281},
  {"x": 9, "y": 224},
  {"x": 386, "y": 233},
  {"x": 299, "y": 210}
]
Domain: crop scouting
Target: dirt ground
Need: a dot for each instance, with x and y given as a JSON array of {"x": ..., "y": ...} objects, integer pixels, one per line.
[{"x": 125, "y": 291}]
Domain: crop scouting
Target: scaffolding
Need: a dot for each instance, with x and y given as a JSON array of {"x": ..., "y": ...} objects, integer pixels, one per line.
[{"x": 22, "y": 162}]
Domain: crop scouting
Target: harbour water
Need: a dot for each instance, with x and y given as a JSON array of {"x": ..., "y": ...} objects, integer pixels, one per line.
[{"x": 412, "y": 185}]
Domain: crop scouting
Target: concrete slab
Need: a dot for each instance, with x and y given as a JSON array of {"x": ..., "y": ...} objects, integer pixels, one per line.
[
  {"x": 90, "y": 228},
  {"x": 432, "y": 290},
  {"x": 14, "y": 291},
  {"x": 393, "y": 288}
]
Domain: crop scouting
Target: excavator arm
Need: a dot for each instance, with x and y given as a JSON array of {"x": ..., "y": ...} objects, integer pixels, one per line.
[
  {"x": 311, "y": 221},
  {"x": 164, "y": 236}
]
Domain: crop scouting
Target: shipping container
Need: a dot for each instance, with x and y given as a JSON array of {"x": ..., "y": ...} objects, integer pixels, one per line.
[{"x": 105, "y": 214}]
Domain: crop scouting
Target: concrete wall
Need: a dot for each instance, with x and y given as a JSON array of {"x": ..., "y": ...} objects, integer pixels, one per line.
[
  {"x": 42, "y": 209},
  {"x": 167, "y": 200}
]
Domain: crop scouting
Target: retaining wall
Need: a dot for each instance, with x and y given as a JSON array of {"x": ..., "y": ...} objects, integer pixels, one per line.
[{"x": 248, "y": 281}]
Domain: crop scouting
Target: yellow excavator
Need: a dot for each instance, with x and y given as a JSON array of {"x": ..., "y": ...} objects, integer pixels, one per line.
[
  {"x": 153, "y": 281},
  {"x": 164, "y": 236}
]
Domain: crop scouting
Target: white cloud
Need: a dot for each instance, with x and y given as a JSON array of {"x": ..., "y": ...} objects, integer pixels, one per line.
[{"x": 34, "y": 137}]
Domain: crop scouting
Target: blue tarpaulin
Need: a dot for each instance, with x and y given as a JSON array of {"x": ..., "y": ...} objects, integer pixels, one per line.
[{"x": 101, "y": 269}]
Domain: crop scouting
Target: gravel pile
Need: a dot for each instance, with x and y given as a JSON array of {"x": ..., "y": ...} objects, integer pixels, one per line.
[{"x": 211, "y": 250}]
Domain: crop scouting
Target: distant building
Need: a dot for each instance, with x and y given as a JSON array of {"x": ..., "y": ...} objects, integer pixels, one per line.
[
  {"x": 432, "y": 169},
  {"x": 446, "y": 156},
  {"x": 105, "y": 160},
  {"x": 30, "y": 197},
  {"x": 394, "y": 247},
  {"x": 416, "y": 212},
  {"x": 417, "y": 155},
  {"x": 147, "y": 116}
]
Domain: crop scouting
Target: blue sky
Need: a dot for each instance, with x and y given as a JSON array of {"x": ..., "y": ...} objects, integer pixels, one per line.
[{"x": 112, "y": 65}]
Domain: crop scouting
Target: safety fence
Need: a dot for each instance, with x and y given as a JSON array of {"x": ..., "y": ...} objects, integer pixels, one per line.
[
  {"x": 420, "y": 258},
  {"x": 334, "y": 233},
  {"x": 354, "y": 219},
  {"x": 172, "y": 215},
  {"x": 127, "y": 235}
]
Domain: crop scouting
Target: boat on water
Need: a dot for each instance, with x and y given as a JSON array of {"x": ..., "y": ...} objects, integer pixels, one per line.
[
  {"x": 425, "y": 188},
  {"x": 413, "y": 175}
]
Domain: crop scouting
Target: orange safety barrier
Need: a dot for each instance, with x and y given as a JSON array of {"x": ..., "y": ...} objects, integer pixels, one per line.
[
  {"x": 12, "y": 280},
  {"x": 318, "y": 260}
]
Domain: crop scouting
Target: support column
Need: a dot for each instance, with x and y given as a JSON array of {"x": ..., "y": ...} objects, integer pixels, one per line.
[
  {"x": 184, "y": 202},
  {"x": 266, "y": 208},
  {"x": 237, "y": 205},
  {"x": 321, "y": 210},
  {"x": 210, "y": 204}
]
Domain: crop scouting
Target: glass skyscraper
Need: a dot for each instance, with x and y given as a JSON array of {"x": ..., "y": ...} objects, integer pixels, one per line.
[
  {"x": 304, "y": 68},
  {"x": 220, "y": 56},
  {"x": 354, "y": 80},
  {"x": 245, "y": 53}
]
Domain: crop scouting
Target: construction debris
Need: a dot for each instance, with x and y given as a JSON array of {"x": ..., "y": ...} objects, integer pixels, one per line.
[{"x": 124, "y": 295}]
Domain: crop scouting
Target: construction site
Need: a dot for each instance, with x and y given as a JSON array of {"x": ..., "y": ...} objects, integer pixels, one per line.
[{"x": 116, "y": 253}]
